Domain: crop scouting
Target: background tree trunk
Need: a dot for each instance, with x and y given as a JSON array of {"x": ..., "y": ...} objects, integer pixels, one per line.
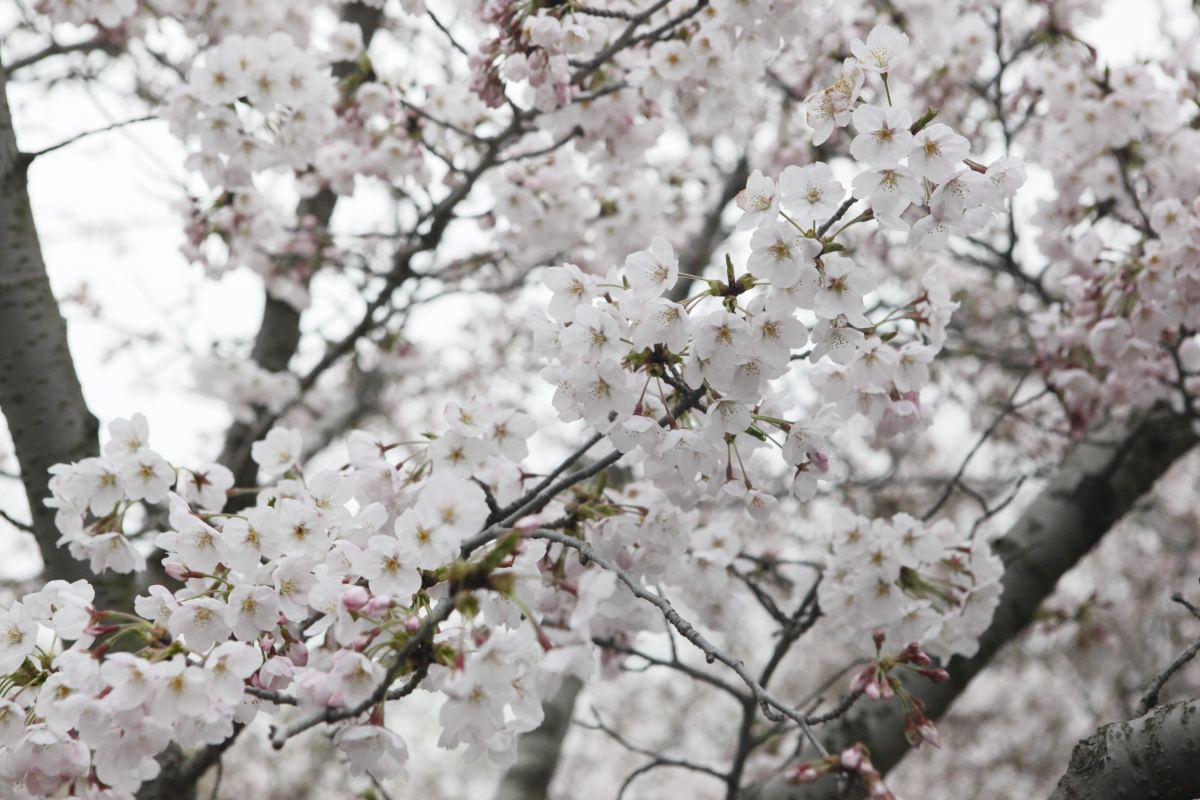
[{"x": 539, "y": 750}]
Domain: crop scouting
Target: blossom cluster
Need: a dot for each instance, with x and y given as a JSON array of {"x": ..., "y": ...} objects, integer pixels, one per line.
[
  {"x": 309, "y": 589},
  {"x": 619, "y": 346},
  {"x": 216, "y": 20},
  {"x": 877, "y": 681},
  {"x": 912, "y": 581},
  {"x": 1122, "y": 334},
  {"x": 256, "y": 103},
  {"x": 321, "y": 589},
  {"x": 528, "y": 47},
  {"x": 910, "y": 163}
]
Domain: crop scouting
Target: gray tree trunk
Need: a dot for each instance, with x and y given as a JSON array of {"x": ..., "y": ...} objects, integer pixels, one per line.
[
  {"x": 539, "y": 751},
  {"x": 40, "y": 394},
  {"x": 1155, "y": 757}
]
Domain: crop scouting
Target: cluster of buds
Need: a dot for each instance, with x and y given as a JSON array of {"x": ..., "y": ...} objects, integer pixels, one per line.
[
  {"x": 853, "y": 762},
  {"x": 877, "y": 682},
  {"x": 528, "y": 47}
]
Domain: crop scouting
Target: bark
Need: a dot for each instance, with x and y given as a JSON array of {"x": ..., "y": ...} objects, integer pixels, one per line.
[
  {"x": 539, "y": 750},
  {"x": 40, "y": 394},
  {"x": 1099, "y": 482},
  {"x": 1153, "y": 757}
]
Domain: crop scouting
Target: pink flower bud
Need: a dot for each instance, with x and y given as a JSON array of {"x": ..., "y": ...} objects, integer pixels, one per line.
[
  {"x": 802, "y": 773},
  {"x": 355, "y": 598},
  {"x": 412, "y": 624},
  {"x": 938, "y": 675},
  {"x": 275, "y": 674},
  {"x": 297, "y": 653},
  {"x": 913, "y": 654},
  {"x": 176, "y": 570},
  {"x": 377, "y": 605},
  {"x": 863, "y": 679}
]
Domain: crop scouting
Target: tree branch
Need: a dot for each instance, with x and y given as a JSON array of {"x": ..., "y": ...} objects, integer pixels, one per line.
[
  {"x": 772, "y": 707},
  {"x": 98, "y": 42},
  {"x": 1154, "y": 755},
  {"x": 1150, "y": 698}
]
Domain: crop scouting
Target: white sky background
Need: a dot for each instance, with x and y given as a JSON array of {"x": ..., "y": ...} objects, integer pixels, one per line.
[{"x": 106, "y": 216}]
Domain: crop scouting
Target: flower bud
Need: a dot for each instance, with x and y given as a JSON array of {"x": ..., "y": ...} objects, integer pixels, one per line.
[
  {"x": 355, "y": 597},
  {"x": 863, "y": 679},
  {"x": 937, "y": 675},
  {"x": 802, "y": 773},
  {"x": 297, "y": 653},
  {"x": 378, "y": 605},
  {"x": 913, "y": 654}
]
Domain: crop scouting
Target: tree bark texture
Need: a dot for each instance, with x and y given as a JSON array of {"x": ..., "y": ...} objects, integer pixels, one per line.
[
  {"x": 40, "y": 394},
  {"x": 1153, "y": 757}
]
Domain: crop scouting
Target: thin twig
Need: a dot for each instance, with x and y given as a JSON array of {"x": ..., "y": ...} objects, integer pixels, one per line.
[
  {"x": 16, "y": 523},
  {"x": 987, "y": 434},
  {"x": 1150, "y": 698},
  {"x": 675, "y": 664},
  {"x": 281, "y": 733},
  {"x": 1183, "y": 601},
  {"x": 659, "y": 759},
  {"x": 72, "y": 140},
  {"x": 772, "y": 707},
  {"x": 454, "y": 42}
]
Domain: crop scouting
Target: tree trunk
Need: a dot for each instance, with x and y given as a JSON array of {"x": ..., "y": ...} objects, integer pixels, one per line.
[
  {"x": 539, "y": 750},
  {"x": 1099, "y": 482},
  {"x": 40, "y": 394},
  {"x": 1155, "y": 757}
]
